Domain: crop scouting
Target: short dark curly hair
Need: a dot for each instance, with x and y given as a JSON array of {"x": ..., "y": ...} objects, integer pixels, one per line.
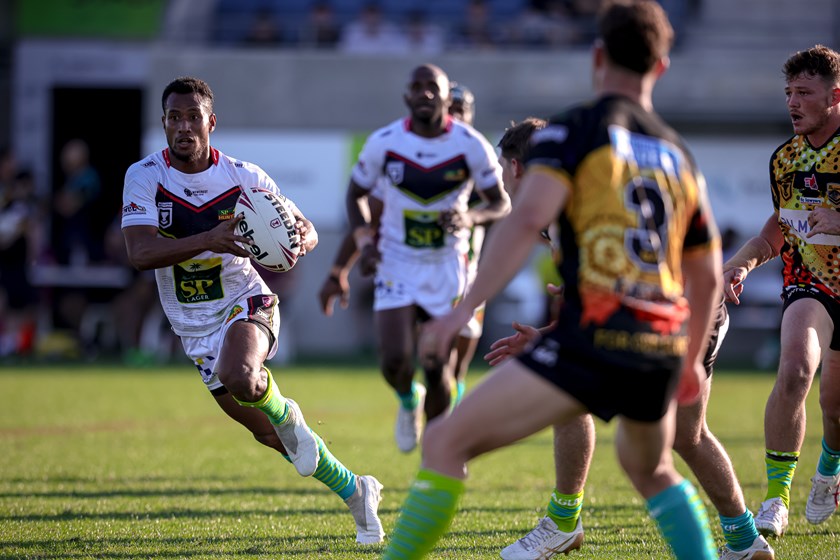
[
  {"x": 188, "y": 84},
  {"x": 819, "y": 61}
]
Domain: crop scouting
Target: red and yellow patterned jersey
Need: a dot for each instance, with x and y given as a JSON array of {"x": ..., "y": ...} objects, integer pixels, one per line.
[
  {"x": 803, "y": 178},
  {"x": 637, "y": 204}
]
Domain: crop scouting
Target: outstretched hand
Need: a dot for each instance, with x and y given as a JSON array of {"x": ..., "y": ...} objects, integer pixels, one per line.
[
  {"x": 334, "y": 288},
  {"x": 512, "y": 345}
]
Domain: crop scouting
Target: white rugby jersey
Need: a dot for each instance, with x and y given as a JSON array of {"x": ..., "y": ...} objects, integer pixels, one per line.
[
  {"x": 424, "y": 176},
  {"x": 196, "y": 294}
]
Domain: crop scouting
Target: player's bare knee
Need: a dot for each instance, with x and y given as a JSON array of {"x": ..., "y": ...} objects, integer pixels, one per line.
[
  {"x": 687, "y": 442},
  {"x": 397, "y": 366},
  {"x": 243, "y": 381},
  {"x": 830, "y": 405}
]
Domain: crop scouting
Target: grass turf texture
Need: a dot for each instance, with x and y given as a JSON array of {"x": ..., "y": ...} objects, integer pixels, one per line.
[{"x": 110, "y": 462}]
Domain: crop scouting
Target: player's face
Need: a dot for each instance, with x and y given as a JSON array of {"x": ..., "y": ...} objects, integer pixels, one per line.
[
  {"x": 509, "y": 174},
  {"x": 428, "y": 95},
  {"x": 809, "y": 102},
  {"x": 188, "y": 122},
  {"x": 461, "y": 111}
]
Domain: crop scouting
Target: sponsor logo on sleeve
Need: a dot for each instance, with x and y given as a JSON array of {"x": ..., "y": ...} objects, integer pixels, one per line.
[{"x": 133, "y": 208}]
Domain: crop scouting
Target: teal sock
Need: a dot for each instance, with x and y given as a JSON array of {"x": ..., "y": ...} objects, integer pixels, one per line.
[
  {"x": 739, "y": 532},
  {"x": 460, "y": 389},
  {"x": 564, "y": 510},
  {"x": 332, "y": 472},
  {"x": 426, "y": 514},
  {"x": 682, "y": 520},
  {"x": 410, "y": 400},
  {"x": 829, "y": 461}
]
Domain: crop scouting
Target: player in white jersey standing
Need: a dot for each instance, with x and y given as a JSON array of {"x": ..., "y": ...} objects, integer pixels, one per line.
[
  {"x": 432, "y": 163},
  {"x": 178, "y": 219}
]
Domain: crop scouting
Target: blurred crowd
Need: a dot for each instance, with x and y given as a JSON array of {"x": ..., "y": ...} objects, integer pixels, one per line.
[
  {"x": 66, "y": 290},
  {"x": 373, "y": 27}
]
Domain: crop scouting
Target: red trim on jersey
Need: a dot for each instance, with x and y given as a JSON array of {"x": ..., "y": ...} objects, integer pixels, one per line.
[
  {"x": 414, "y": 164},
  {"x": 214, "y": 154},
  {"x": 192, "y": 207}
]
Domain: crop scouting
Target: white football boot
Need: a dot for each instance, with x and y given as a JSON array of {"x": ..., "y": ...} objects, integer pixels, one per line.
[
  {"x": 299, "y": 441},
  {"x": 364, "y": 504},
  {"x": 823, "y": 499},
  {"x": 410, "y": 423},
  {"x": 772, "y": 518},
  {"x": 544, "y": 541}
]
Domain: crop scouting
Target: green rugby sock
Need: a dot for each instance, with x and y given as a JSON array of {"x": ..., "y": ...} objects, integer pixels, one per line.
[
  {"x": 426, "y": 514},
  {"x": 272, "y": 403},
  {"x": 781, "y": 466},
  {"x": 564, "y": 510},
  {"x": 332, "y": 472}
]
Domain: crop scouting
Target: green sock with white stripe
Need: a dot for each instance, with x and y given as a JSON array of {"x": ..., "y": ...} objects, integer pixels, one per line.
[
  {"x": 425, "y": 517},
  {"x": 272, "y": 403},
  {"x": 564, "y": 510},
  {"x": 332, "y": 472}
]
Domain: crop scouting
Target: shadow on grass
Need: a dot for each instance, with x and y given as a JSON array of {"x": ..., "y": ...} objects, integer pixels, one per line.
[{"x": 222, "y": 547}]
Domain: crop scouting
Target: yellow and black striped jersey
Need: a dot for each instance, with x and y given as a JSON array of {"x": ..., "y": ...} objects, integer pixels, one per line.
[
  {"x": 803, "y": 178},
  {"x": 637, "y": 204}
]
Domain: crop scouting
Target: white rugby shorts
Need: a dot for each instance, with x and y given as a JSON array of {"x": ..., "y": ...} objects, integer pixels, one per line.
[
  {"x": 435, "y": 285},
  {"x": 205, "y": 351}
]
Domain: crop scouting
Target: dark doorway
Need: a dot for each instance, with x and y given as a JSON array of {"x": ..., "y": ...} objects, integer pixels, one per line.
[{"x": 109, "y": 121}]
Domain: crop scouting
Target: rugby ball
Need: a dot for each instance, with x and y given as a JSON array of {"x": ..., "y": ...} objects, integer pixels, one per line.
[{"x": 270, "y": 223}]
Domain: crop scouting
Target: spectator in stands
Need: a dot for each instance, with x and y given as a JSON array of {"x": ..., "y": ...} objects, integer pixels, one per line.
[
  {"x": 477, "y": 30},
  {"x": 77, "y": 244},
  {"x": 371, "y": 33},
  {"x": 423, "y": 37},
  {"x": 19, "y": 242},
  {"x": 188, "y": 21},
  {"x": 265, "y": 31},
  {"x": 322, "y": 30}
]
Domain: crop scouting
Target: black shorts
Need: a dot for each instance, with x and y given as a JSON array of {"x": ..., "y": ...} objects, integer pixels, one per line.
[
  {"x": 719, "y": 330},
  {"x": 614, "y": 369},
  {"x": 832, "y": 306}
]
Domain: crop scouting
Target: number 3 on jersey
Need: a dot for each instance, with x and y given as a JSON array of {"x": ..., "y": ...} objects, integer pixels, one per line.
[{"x": 647, "y": 243}]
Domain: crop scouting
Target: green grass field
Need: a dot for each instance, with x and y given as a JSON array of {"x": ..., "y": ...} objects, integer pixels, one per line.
[{"x": 109, "y": 462}]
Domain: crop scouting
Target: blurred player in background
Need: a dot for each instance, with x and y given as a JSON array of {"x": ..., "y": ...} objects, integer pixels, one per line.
[
  {"x": 805, "y": 185},
  {"x": 178, "y": 218},
  {"x": 420, "y": 250},
  {"x": 337, "y": 286},
  {"x": 624, "y": 344}
]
